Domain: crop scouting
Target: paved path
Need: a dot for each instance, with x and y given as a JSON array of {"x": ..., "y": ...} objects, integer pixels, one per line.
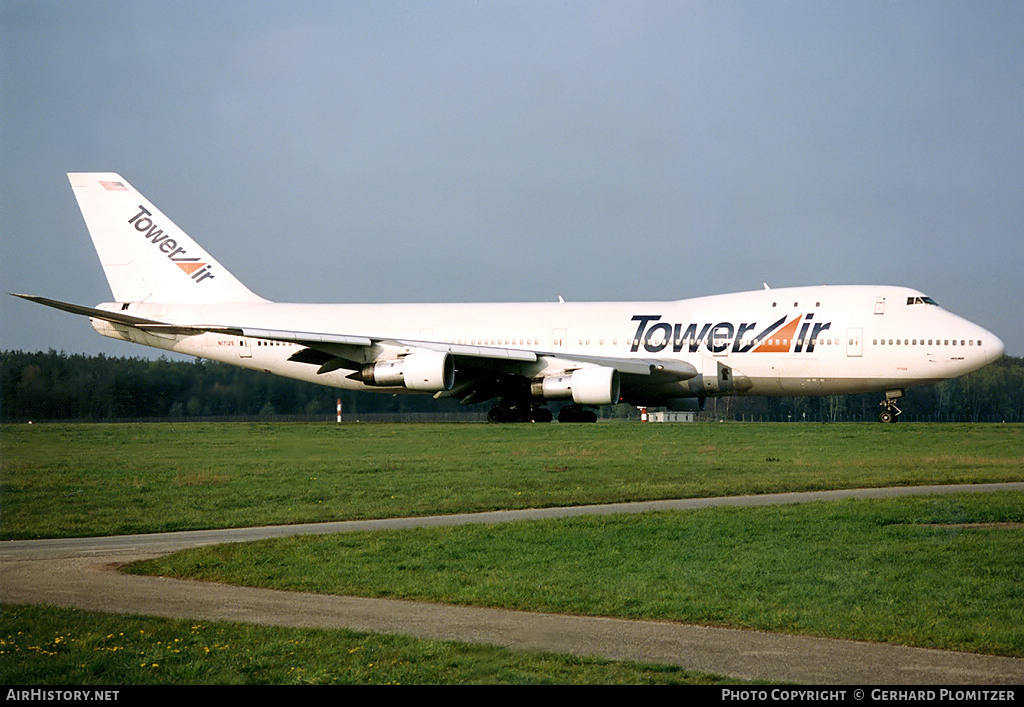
[{"x": 82, "y": 573}]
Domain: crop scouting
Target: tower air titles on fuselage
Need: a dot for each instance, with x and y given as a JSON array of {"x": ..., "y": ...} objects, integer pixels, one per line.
[{"x": 780, "y": 337}]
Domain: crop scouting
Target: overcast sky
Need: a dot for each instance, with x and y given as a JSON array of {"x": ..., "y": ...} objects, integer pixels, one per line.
[{"x": 518, "y": 151}]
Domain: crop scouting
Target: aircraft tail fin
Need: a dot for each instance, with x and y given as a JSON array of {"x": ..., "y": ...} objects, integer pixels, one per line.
[{"x": 145, "y": 256}]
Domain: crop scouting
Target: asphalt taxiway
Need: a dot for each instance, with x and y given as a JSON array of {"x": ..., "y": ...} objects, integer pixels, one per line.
[{"x": 82, "y": 573}]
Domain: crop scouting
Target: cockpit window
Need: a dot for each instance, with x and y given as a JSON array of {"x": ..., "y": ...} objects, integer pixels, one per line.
[{"x": 921, "y": 300}]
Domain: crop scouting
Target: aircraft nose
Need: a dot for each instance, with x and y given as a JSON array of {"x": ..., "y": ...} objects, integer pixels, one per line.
[{"x": 994, "y": 347}]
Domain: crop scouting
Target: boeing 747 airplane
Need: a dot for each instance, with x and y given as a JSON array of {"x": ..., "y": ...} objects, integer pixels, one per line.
[{"x": 171, "y": 294}]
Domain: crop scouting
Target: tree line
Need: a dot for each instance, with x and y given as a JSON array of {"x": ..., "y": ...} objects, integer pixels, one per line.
[{"x": 59, "y": 386}]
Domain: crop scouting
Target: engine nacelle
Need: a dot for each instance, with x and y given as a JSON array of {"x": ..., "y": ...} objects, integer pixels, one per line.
[
  {"x": 428, "y": 371},
  {"x": 585, "y": 386}
]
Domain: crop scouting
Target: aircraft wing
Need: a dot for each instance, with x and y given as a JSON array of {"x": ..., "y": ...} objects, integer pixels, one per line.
[
  {"x": 332, "y": 351},
  {"x": 168, "y": 328},
  {"x": 628, "y": 366}
]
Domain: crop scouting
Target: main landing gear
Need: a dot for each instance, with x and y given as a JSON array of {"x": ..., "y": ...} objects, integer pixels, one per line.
[
  {"x": 517, "y": 411},
  {"x": 890, "y": 412},
  {"x": 522, "y": 411}
]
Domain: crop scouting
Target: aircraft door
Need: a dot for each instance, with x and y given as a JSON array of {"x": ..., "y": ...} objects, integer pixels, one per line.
[
  {"x": 558, "y": 337},
  {"x": 244, "y": 348},
  {"x": 720, "y": 340},
  {"x": 854, "y": 343}
]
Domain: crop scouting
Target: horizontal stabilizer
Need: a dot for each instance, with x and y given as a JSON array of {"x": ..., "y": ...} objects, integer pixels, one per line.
[{"x": 114, "y": 317}]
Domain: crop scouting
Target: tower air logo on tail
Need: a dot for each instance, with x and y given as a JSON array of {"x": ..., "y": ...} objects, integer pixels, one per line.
[{"x": 143, "y": 223}]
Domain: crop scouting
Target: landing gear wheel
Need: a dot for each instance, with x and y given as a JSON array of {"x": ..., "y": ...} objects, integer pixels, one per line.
[
  {"x": 518, "y": 412},
  {"x": 541, "y": 415},
  {"x": 886, "y": 416},
  {"x": 508, "y": 412}
]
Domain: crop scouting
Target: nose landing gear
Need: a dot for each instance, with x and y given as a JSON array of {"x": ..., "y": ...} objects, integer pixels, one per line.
[{"x": 890, "y": 412}]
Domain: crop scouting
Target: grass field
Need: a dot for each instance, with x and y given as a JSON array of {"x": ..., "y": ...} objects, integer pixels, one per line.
[
  {"x": 939, "y": 572},
  {"x": 82, "y": 480},
  {"x": 49, "y": 646}
]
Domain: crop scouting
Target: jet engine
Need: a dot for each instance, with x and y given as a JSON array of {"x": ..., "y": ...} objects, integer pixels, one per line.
[
  {"x": 585, "y": 386},
  {"x": 430, "y": 371}
]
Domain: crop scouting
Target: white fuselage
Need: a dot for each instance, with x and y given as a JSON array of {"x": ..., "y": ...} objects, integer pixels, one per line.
[{"x": 791, "y": 341}]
